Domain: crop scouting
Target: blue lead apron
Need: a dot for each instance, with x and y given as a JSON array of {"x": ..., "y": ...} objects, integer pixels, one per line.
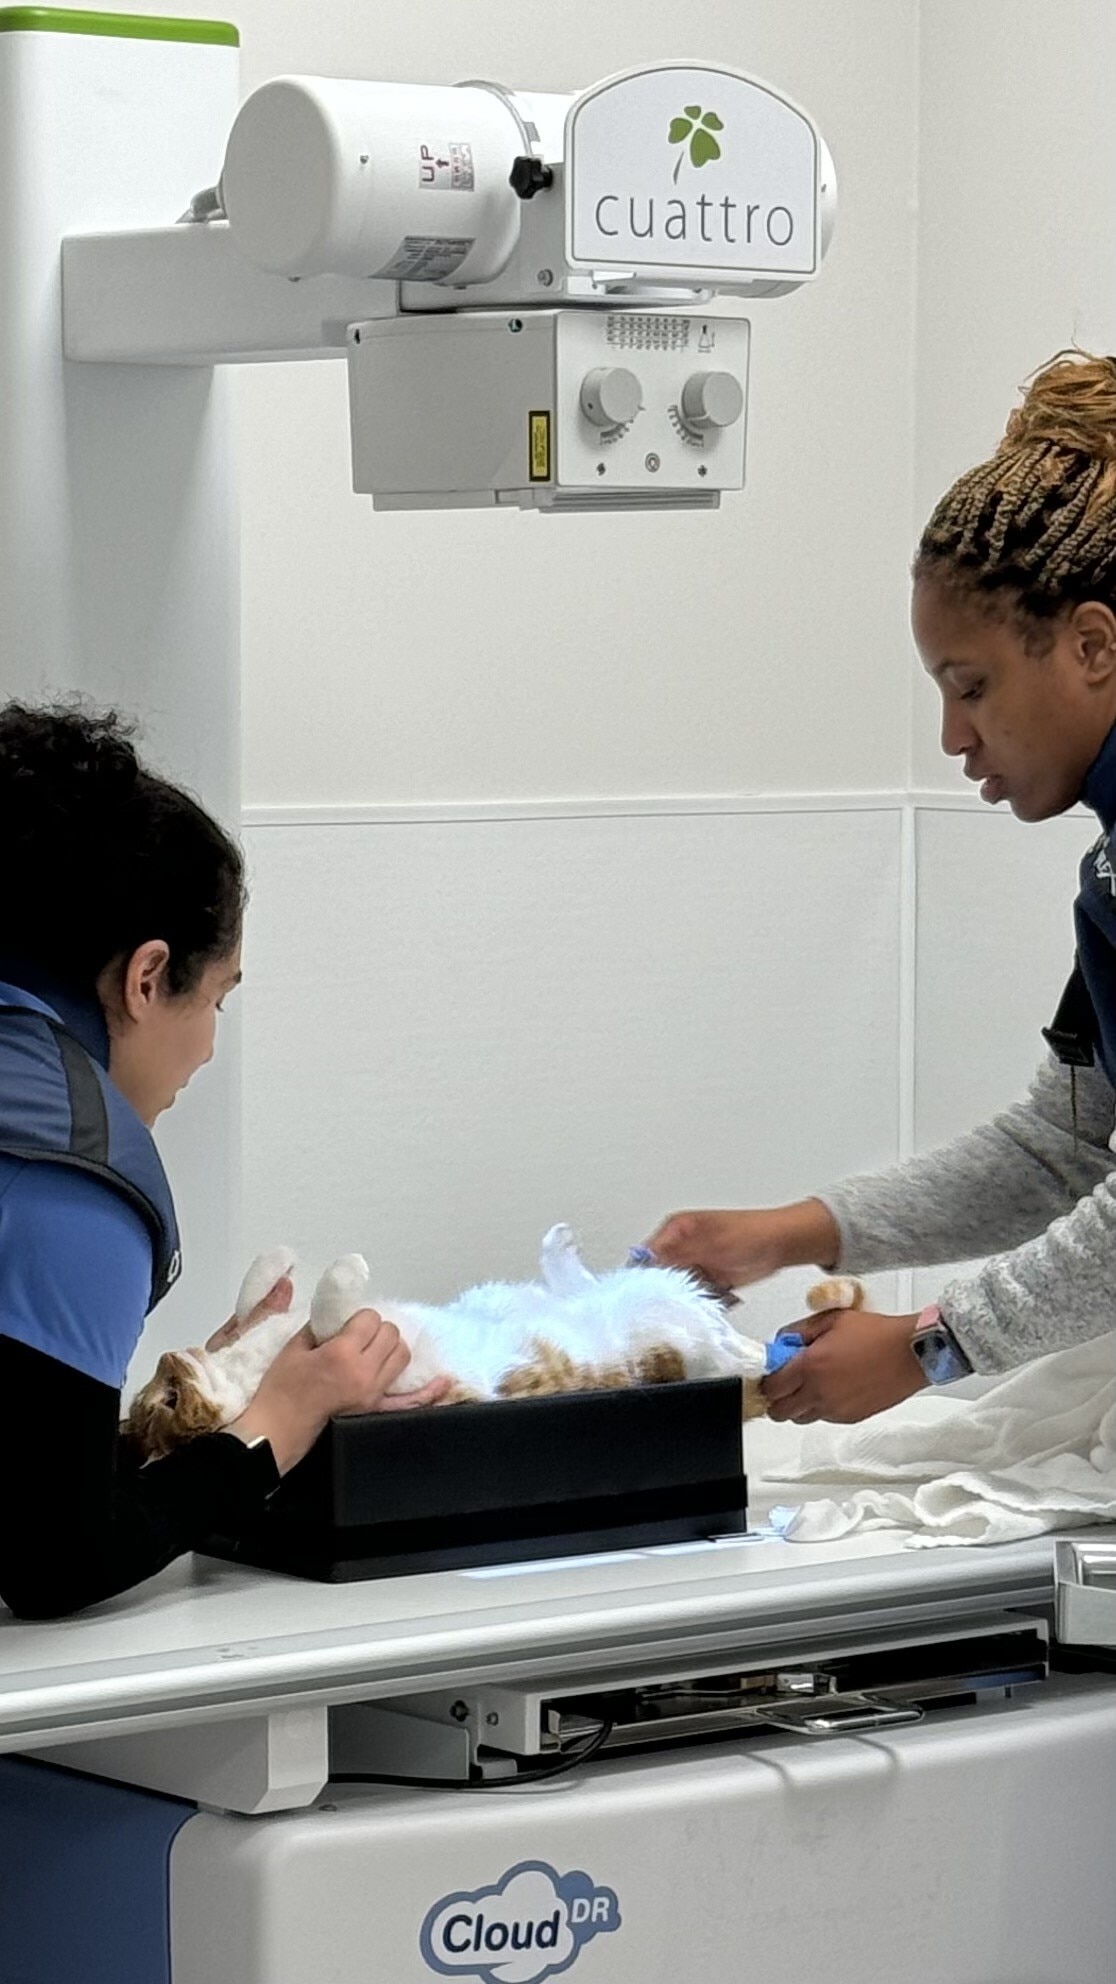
[{"x": 58, "y": 1106}]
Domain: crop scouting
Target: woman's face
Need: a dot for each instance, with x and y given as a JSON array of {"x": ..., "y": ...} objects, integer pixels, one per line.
[
  {"x": 158, "y": 1040},
  {"x": 1027, "y": 724}
]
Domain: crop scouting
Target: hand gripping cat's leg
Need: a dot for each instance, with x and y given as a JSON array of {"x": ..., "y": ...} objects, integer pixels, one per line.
[
  {"x": 839, "y": 1292},
  {"x": 342, "y": 1290}
]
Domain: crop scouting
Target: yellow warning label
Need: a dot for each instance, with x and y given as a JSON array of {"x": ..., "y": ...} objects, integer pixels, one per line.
[{"x": 538, "y": 446}]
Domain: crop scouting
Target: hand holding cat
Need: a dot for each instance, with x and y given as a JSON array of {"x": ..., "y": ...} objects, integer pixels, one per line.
[
  {"x": 310, "y": 1382},
  {"x": 855, "y": 1364}
]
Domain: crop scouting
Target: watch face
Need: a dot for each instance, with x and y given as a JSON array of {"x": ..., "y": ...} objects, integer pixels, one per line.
[{"x": 938, "y": 1355}]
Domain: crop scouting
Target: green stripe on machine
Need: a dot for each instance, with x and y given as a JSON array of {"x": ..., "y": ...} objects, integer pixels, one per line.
[{"x": 124, "y": 27}]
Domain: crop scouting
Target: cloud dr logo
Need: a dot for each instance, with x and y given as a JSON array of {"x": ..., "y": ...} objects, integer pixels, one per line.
[{"x": 532, "y": 1924}]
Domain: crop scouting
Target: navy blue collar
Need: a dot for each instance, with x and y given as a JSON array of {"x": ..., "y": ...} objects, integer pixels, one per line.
[
  {"x": 1099, "y": 790},
  {"x": 80, "y": 1012}
]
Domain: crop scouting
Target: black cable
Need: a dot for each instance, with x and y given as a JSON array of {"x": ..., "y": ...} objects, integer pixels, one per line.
[{"x": 569, "y": 1761}]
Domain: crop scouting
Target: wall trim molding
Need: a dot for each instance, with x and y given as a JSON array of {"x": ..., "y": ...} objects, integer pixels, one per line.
[{"x": 638, "y": 806}]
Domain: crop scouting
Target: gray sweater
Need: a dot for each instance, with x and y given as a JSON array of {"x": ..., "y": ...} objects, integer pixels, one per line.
[{"x": 1022, "y": 1189}]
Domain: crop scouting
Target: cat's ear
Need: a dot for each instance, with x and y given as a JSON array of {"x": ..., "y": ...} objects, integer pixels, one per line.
[
  {"x": 342, "y": 1290},
  {"x": 561, "y": 1266},
  {"x": 261, "y": 1278}
]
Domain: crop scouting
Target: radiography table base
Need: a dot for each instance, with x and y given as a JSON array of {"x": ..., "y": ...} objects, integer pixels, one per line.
[{"x": 975, "y": 1848}]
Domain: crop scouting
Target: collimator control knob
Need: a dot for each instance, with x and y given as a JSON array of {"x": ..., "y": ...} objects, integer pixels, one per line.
[
  {"x": 611, "y": 396},
  {"x": 710, "y": 400}
]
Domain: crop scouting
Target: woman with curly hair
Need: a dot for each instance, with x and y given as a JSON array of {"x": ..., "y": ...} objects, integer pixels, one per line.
[{"x": 121, "y": 903}]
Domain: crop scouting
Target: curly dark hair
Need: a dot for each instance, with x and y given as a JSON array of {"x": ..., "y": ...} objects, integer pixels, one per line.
[{"x": 98, "y": 854}]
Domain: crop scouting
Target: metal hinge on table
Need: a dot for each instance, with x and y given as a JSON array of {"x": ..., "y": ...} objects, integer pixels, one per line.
[{"x": 1085, "y": 1594}]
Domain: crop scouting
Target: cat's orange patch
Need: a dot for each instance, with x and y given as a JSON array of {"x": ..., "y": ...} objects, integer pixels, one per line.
[
  {"x": 661, "y": 1365},
  {"x": 551, "y": 1370}
]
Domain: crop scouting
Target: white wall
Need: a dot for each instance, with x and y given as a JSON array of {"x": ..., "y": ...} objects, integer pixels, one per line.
[{"x": 1016, "y": 242}]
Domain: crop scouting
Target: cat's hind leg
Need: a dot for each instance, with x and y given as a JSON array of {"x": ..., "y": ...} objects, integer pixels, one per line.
[
  {"x": 342, "y": 1290},
  {"x": 263, "y": 1275}
]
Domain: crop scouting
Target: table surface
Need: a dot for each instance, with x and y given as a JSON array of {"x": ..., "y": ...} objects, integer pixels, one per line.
[{"x": 207, "y": 1639}]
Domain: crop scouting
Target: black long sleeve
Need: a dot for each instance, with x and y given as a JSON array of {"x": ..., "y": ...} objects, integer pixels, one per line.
[{"x": 81, "y": 1521}]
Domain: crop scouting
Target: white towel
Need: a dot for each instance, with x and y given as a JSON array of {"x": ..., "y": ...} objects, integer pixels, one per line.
[{"x": 1037, "y": 1452}]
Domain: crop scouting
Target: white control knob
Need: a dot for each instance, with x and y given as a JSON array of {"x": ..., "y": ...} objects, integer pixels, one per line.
[
  {"x": 611, "y": 396},
  {"x": 711, "y": 400}
]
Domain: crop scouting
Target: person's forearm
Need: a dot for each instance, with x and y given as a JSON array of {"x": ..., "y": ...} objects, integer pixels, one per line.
[
  {"x": 990, "y": 1191},
  {"x": 806, "y": 1234},
  {"x": 81, "y": 1527},
  {"x": 1056, "y": 1291},
  {"x": 63, "y": 1561}
]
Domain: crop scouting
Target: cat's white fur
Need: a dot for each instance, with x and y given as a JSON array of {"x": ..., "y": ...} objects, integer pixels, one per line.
[{"x": 605, "y": 1321}]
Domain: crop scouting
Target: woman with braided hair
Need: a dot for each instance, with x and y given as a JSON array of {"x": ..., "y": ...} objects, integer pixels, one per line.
[{"x": 1014, "y": 618}]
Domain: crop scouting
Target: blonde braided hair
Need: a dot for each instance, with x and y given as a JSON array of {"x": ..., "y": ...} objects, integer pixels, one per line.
[{"x": 1034, "y": 527}]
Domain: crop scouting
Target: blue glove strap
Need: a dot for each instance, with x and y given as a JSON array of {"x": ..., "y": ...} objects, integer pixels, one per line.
[{"x": 781, "y": 1349}]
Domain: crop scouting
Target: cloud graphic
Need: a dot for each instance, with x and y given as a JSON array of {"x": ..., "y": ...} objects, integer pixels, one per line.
[{"x": 528, "y": 1926}]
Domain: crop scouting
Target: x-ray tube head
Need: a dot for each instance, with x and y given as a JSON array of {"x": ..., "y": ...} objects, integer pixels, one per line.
[{"x": 402, "y": 181}]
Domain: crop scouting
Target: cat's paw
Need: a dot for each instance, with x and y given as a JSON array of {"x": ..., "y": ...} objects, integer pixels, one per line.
[
  {"x": 561, "y": 1266},
  {"x": 261, "y": 1278},
  {"x": 342, "y": 1290},
  {"x": 841, "y": 1291}
]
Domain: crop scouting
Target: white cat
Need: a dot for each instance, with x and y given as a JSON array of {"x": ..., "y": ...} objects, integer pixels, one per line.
[{"x": 569, "y": 1331}]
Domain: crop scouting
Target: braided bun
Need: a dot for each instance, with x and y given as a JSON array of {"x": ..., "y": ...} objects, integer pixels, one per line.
[
  {"x": 1037, "y": 522},
  {"x": 1070, "y": 404}
]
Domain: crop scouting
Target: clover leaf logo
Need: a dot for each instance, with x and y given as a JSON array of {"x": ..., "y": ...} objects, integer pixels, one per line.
[{"x": 698, "y": 126}]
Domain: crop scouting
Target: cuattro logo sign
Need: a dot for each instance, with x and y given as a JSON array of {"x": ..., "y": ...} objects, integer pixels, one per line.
[{"x": 533, "y": 1923}]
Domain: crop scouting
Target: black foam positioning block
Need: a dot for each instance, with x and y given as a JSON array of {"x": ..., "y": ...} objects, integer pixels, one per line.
[{"x": 443, "y": 1487}]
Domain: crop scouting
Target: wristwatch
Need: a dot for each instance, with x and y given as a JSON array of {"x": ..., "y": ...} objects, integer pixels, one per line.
[{"x": 942, "y": 1359}]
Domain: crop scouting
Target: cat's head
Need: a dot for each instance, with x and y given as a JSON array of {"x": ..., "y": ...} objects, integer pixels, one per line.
[{"x": 174, "y": 1406}]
